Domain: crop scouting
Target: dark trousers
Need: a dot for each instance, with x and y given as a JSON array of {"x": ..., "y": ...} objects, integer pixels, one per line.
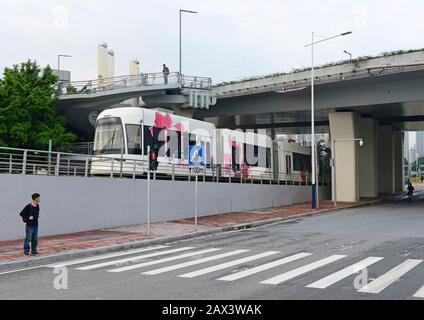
[{"x": 31, "y": 238}]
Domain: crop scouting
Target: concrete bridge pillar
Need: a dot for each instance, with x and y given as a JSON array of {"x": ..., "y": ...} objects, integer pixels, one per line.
[
  {"x": 134, "y": 81},
  {"x": 343, "y": 128},
  {"x": 386, "y": 159},
  {"x": 102, "y": 62},
  {"x": 399, "y": 176},
  {"x": 368, "y": 160}
]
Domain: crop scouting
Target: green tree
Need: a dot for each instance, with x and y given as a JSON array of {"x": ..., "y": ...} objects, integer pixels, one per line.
[{"x": 28, "y": 117}]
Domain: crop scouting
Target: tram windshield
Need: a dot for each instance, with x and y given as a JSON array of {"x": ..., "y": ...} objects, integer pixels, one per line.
[{"x": 109, "y": 138}]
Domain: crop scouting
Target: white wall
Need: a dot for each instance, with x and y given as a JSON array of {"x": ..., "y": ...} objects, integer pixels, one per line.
[{"x": 74, "y": 204}]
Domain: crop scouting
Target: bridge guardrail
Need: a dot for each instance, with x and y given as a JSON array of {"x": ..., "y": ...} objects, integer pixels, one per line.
[
  {"x": 132, "y": 81},
  {"x": 45, "y": 163}
]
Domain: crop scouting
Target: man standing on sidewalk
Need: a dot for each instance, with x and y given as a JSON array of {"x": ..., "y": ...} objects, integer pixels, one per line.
[{"x": 30, "y": 216}]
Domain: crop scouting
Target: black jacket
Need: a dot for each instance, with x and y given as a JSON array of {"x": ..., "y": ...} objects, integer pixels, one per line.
[{"x": 28, "y": 211}]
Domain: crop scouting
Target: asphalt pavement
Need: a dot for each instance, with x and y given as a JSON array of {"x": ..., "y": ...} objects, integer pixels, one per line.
[{"x": 368, "y": 253}]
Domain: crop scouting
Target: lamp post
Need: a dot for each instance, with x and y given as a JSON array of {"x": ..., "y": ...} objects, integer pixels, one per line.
[
  {"x": 333, "y": 164},
  {"x": 58, "y": 59},
  {"x": 181, "y": 12},
  {"x": 312, "y": 44},
  {"x": 348, "y": 53}
]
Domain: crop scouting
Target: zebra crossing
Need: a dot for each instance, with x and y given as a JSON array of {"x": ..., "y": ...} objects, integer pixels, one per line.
[{"x": 164, "y": 259}]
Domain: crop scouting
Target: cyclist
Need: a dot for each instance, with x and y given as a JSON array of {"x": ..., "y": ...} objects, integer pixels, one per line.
[{"x": 410, "y": 191}]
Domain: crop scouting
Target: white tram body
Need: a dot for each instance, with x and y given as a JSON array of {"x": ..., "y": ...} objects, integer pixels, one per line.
[
  {"x": 123, "y": 135},
  {"x": 244, "y": 153},
  {"x": 126, "y": 132},
  {"x": 294, "y": 162}
]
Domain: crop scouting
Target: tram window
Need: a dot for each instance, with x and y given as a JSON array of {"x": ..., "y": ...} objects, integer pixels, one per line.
[
  {"x": 208, "y": 153},
  {"x": 268, "y": 157},
  {"x": 301, "y": 162},
  {"x": 178, "y": 151},
  {"x": 251, "y": 155},
  {"x": 256, "y": 155},
  {"x": 263, "y": 157},
  {"x": 244, "y": 153},
  {"x": 109, "y": 137},
  {"x": 159, "y": 136},
  {"x": 185, "y": 144},
  {"x": 193, "y": 139},
  {"x": 148, "y": 138},
  {"x": 133, "y": 138},
  {"x": 174, "y": 144},
  {"x": 235, "y": 155}
]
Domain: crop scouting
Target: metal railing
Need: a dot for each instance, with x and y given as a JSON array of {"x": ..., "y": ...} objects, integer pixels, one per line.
[
  {"x": 45, "y": 163},
  {"x": 132, "y": 81},
  {"x": 301, "y": 82},
  {"x": 81, "y": 148}
]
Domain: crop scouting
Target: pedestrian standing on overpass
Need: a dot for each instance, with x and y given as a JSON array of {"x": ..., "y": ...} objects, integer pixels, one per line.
[
  {"x": 30, "y": 214},
  {"x": 165, "y": 73}
]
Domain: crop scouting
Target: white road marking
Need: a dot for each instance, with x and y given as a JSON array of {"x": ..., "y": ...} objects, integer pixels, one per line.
[
  {"x": 228, "y": 264},
  {"x": 390, "y": 277},
  {"x": 342, "y": 274},
  {"x": 419, "y": 294},
  {"x": 192, "y": 263},
  {"x": 133, "y": 259},
  {"x": 302, "y": 270},
  {"x": 150, "y": 263},
  {"x": 102, "y": 257},
  {"x": 20, "y": 270},
  {"x": 267, "y": 266}
]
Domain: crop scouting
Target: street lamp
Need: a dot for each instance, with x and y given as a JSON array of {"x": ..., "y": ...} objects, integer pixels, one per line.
[
  {"x": 347, "y": 52},
  {"x": 333, "y": 164},
  {"x": 314, "y": 186},
  {"x": 182, "y": 11},
  {"x": 58, "y": 60}
]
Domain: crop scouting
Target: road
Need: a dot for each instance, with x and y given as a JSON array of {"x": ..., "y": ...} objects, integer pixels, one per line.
[{"x": 368, "y": 253}]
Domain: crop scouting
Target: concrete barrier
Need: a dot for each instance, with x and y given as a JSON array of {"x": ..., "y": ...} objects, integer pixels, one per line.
[{"x": 74, "y": 204}]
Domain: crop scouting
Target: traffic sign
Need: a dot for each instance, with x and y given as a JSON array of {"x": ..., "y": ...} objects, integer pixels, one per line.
[
  {"x": 196, "y": 170},
  {"x": 196, "y": 156}
]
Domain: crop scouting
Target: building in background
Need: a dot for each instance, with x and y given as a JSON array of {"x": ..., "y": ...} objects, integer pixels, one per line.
[
  {"x": 413, "y": 152},
  {"x": 64, "y": 76},
  {"x": 420, "y": 143},
  {"x": 406, "y": 147}
]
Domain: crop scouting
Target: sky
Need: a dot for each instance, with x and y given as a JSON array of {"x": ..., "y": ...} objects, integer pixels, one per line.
[{"x": 226, "y": 40}]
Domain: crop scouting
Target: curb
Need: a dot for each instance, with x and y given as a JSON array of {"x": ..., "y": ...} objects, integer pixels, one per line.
[
  {"x": 261, "y": 223},
  {"x": 49, "y": 259}
]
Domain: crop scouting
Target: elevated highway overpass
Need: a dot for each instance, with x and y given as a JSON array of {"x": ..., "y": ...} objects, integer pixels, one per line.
[
  {"x": 387, "y": 88},
  {"x": 374, "y": 99}
]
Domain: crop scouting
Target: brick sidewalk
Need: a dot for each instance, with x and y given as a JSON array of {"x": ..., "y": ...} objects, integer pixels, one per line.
[{"x": 11, "y": 250}]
